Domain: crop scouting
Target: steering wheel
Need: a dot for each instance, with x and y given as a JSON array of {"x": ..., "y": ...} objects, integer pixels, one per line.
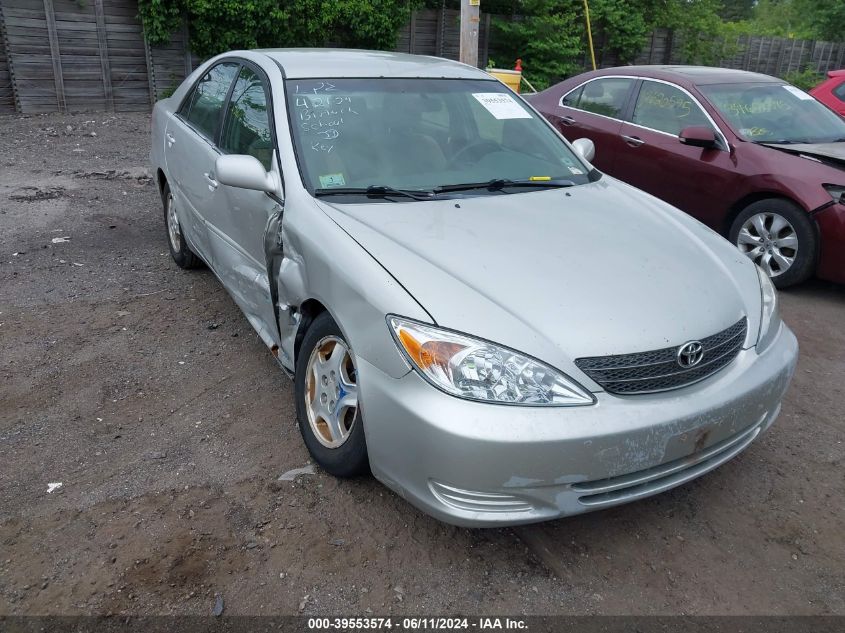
[{"x": 474, "y": 152}]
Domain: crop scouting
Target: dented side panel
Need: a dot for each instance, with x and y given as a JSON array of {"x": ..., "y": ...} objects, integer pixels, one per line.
[{"x": 312, "y": 258}]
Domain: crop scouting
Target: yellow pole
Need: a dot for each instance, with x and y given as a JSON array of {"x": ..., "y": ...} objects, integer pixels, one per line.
[{"x": 589, "y": 33}]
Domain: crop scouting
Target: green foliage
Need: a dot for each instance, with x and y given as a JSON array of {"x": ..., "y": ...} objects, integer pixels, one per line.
[
  {"x": 219, "y": 25},
  {"x": 803, "y": 19},
  {"x": 625, "y": 29},
  {"x": 547, "y": 37},
  {"x": 550, "y": 37},
  {"x": 160, "y": 18},
  {"x": 698, "y": 27},
  {"x": 806, "y": 79},
  {"x": 737, "y": 10}
]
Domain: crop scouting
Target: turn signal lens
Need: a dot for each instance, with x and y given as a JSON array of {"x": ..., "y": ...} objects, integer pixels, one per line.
[
  {"x": 769, "y": 315},
  {"x": 474, "y": 369}
]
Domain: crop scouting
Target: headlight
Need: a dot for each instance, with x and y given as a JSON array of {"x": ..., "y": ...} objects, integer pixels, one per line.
[
  {"x": 837, "y": 192},
  {"x": 770, "y": 317},
  {"x": 474, "y": 369}
]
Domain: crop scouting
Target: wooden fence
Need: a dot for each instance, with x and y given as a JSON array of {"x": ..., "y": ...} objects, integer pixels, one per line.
[
  {"x": 438, "y": 32},
  {"x": 69, "y": 55},
  {"x": 776, "y": 56}
]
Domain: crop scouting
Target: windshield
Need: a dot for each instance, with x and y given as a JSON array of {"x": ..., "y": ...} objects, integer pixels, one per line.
[
  {"x": 775, "y": 113},
  {"x": 420, "y": 134}
]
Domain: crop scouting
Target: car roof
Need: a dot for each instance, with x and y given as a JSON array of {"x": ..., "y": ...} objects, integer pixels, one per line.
[
  {"x": 694, "y": 75},
  {"x": 318, "y": 63}
]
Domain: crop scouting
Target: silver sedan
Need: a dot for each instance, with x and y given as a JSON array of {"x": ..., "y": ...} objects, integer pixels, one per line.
[{"x": 468, "y": 308}]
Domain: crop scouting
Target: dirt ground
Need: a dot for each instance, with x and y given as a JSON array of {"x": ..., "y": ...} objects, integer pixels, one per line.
[{"x": 144, "y": 391}]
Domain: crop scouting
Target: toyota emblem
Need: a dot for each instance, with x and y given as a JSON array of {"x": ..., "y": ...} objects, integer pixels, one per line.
[{"x": 690, "y": 354}]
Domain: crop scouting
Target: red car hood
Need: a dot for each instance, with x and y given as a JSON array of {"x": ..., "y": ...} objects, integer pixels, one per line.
[{"x": 830, "y": 151}]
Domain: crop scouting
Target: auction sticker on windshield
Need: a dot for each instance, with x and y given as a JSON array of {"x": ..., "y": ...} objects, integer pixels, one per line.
[
  {"x": 501, "y": 105},
  {"x": 799, "y": 93}
]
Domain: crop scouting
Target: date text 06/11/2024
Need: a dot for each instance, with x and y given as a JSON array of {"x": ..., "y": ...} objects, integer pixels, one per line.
[{"x": 416, "y": 624}]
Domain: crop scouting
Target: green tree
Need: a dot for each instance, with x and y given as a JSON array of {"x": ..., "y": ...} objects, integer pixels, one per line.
[
  {"x": 808, "y": 19},
  {"x": 624, "y": 25},
  {"x": 547, "y": 36},
  {"x": 219, "y": 25}
]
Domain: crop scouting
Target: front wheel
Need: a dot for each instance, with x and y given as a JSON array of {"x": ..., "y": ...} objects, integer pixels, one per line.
[
  {"x": 327, "y": 407},
  {"x": 778, "y": 236}
]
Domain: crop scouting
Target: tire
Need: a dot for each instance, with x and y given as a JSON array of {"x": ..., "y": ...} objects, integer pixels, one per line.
[
  {"x": 179, "y": 249},
  {"x": 779, "y": 236},
  {"x": 333, "y": 433}
]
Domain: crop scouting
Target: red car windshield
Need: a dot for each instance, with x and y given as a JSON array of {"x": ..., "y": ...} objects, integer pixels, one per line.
[{"x": 775, "y": 113}]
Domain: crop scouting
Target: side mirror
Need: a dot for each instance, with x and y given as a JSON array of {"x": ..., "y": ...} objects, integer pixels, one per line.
[
  {"x": 586, "y": 149},
  {"x": 246, "y": 172},
  {"x": 698, "y": 136}
]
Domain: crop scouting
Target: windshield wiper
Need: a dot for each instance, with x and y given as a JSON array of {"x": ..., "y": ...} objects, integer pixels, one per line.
[
  {"x": 381, "y": 191},
  {"x": 500, "y": 183},
  {"x": 783, "y": 141}
]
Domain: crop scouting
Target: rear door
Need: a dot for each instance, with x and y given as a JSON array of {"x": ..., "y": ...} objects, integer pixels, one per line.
[
  {"x": 237, "y": 218},
  {"x": 691, "y": 178},
  {"x": 595, "y": 110},
  {"x": 190, "y": 153}
]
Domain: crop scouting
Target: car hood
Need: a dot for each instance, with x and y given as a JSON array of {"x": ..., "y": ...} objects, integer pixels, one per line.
[
  {"x": 831, "y": 153},
  {"x": 561, "y": 274}
]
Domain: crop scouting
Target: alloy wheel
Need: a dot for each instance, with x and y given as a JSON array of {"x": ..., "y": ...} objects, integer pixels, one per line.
[
  {"x": 174, "y": 231},
  {"x": 331, "y": 391},
  {"x": 770, "y": 241}
]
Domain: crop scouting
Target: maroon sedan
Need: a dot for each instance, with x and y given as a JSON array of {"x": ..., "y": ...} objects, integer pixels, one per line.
[{"x": 751, "y": 156}]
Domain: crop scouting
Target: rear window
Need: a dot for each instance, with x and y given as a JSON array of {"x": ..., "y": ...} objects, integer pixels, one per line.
[
  {"x": 839, "y": 91},
  {"x": 602, "y": 96}
]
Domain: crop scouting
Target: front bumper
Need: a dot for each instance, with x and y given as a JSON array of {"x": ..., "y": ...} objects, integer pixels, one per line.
[
  {"x": 476, "y": 464},
  {"x": 831, "y": 223}
]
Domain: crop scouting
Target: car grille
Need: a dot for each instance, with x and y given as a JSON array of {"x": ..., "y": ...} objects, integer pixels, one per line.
[{"x": 658, "y": 370}]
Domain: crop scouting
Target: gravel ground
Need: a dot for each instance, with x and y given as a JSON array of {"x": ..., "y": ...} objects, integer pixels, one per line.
[{"x": 144, "y": 391}]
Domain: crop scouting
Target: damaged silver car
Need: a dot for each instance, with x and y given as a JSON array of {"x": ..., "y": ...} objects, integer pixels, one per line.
[{"x": 469, "y": 309}]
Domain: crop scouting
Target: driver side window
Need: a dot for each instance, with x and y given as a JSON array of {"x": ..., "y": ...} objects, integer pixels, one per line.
[{"x": 246, "y": 128}]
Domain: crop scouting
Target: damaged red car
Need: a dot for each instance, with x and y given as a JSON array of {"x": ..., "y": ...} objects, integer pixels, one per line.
[{"x": 751, "y": 156}]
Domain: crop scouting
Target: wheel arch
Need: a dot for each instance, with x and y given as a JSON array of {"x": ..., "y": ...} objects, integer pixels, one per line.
[
  {"x": 161, "y": 180},
  {"x": 309, "y": 310},
  {"x": 737, "y": 207}
]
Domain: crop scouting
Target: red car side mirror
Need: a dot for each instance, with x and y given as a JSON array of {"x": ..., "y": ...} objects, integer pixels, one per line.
[{"x": 698, "y": 136}]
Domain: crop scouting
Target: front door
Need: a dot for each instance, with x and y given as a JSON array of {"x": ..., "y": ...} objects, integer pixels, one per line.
[
  {"x": 237, "y": 218},
  {"x": 654, "y": 159}
]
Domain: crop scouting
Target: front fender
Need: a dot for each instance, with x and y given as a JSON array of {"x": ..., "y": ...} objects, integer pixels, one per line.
[{"x": 320, "y": 261}]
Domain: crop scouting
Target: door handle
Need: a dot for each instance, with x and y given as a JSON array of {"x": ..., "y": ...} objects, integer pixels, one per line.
[
  {"x": 170, "y": 138},
  {"x": 212, "y": 184},
  {"x": 567, "y": 120},
  {"x": 633, "y": 141}
]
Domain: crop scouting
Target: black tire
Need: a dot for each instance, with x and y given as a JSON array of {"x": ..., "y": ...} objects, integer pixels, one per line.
[
  {"x": 349, "y": 459},
  {"x": 804, "y": 260},
  {"x": 183, "y": 256}
]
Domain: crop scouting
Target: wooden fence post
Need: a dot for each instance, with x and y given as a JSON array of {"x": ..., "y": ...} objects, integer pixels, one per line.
[
  {"x": 103, "y": 47},
  {"x": 4, "y": 41},
  {"x": 438, "y": 36},
  {"x": 189, "y": 67},
  {"x": 412, "y": 33},
  {"x": 55, "y": 55}
]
